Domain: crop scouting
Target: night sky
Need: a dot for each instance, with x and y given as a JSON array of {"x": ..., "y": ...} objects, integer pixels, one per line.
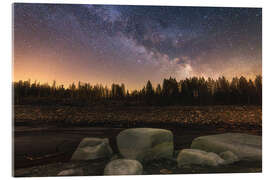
[{"x": 133, "y": 44}]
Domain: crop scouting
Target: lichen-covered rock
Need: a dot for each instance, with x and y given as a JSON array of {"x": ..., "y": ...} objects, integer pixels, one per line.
[
  {"x": 145, "y": 144},
  {"x": 92, "y": 148},
  {"x": 229, "y": 157},
  {"x": 71, "y": 172},
  {"x": 198, "y": 157},
  {"x": 246, "y": 147},
  {"x": 123, "y": 167}
]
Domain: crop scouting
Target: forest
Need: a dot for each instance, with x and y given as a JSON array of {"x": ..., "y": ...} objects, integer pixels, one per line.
[{"x": 195, "y": 91}]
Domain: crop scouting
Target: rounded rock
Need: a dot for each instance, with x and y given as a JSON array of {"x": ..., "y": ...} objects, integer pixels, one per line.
[
  {"x": 198, "y": 157},
  {"x": 144, "y": 144},
  {"x": 123, "y": 167},
  {"x": 244, "y": 146},
  {"x": 229, "y": 157},
  {"x": 92, "y": 148},
  {"x": 71, "y": 172}
]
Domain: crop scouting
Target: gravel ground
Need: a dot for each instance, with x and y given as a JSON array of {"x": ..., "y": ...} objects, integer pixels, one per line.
[{"x": 245, "y": 117}]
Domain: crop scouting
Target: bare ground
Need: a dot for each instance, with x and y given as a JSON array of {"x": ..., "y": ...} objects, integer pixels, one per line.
[{"x": 46, "y": 137}]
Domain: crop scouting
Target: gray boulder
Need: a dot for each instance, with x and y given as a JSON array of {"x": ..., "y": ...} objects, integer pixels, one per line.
[
  {"x": 123, "y": 167},
  {"x": 229, "y": 157},
  {"x": 198, "y": 157},
  {"x": 244, "y": 146},
  {"x": 145, "y": 144},
  {"x": 92, "y": 148},
  {"x": 71, "y": 172}
]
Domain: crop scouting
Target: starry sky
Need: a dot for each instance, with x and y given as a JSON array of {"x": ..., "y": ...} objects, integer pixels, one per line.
[{"x": 132, "y": 44}]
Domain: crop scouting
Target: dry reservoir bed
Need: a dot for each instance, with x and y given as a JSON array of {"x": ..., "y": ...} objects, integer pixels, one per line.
[{"x": 46, "y": 137}]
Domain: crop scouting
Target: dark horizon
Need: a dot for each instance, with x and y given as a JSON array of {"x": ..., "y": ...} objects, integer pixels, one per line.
[
  {"x": 193, "y": 91},
  {"x": 154, "y": 85}
]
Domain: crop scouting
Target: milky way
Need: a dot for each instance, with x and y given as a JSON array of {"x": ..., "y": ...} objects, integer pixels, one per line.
[{"x": 133, "y": 44}]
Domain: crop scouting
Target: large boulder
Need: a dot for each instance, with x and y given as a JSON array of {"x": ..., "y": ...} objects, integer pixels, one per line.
[
  {"x": 92, "y": 148},
  {"x": 145, "y": 144},
  {"x": 198, "y": 157},
  {"x": 244, "y": 146},
  {"x": 123, "y": 167}
]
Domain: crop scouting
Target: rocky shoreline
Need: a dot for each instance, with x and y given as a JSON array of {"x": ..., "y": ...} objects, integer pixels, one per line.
[{"x": 161, "y": 165}]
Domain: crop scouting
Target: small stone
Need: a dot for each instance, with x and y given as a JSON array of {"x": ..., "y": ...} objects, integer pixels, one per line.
[
  {"x": 165, "y": 171},
  {"x": 229, "y": 157},
  {"x": 115, "y": 156},
  {"x": 123, "y": 167},
  {"x": 71, "y": 172}
]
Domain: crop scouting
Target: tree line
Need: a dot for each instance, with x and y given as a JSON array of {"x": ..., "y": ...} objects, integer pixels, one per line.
[{"x": 190, "y": 91}]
